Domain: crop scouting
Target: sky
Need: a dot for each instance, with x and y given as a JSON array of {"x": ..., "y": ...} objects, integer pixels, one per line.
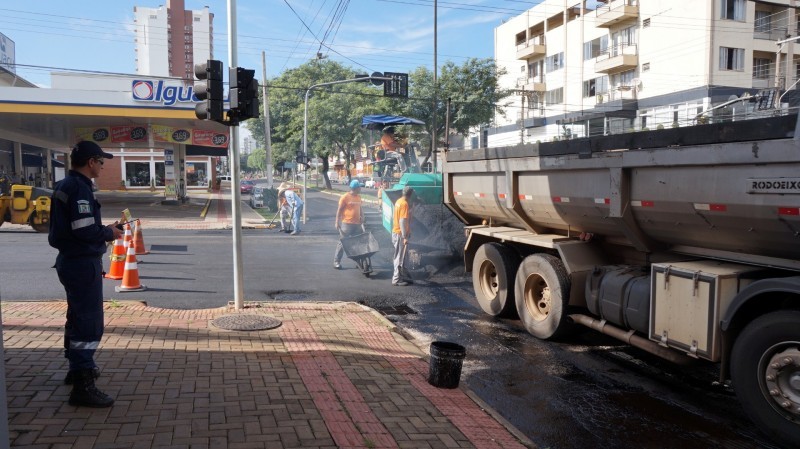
[{"x": 372, "y": 35}]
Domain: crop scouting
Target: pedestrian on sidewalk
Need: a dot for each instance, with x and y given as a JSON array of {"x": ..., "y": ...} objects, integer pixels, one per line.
[
  {"x": 77, "y": 232},
  {"x": 401, "y": 235},
  {"x": 349, "y": 219},
  {"x": 296, "y": 205}
]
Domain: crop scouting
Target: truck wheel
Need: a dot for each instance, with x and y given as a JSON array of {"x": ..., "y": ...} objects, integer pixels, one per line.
[
  {"x": 765, "y": 369},
  {"x": 542, "y": 291},
  {"x": 493, "y": 271}
]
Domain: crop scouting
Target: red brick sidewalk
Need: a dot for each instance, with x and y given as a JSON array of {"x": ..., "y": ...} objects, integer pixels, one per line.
[{"x": 333, "y": 375}]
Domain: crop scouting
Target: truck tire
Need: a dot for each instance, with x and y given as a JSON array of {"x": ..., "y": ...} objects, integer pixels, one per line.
[
  {"x": 770, "y": 395},
  {"x": 493, "y": 271},
  {"x": 542, "y": 293}
]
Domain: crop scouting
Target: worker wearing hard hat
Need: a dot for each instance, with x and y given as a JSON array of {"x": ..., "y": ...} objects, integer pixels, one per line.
[{"x": 349, "y": 219}]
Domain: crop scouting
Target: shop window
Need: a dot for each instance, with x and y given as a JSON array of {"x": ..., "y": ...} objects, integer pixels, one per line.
[
  {"x": 160, "y": 174},
  {"x": 196, "y": 174},
  {"x": 137, "y": 174}
]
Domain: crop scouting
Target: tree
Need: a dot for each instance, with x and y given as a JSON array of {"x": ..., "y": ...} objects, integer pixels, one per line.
[{"x": 474, "y": 91}]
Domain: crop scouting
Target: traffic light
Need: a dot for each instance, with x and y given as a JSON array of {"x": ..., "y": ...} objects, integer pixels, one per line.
[
  {"x": 209, "y": 90},
  {"x": 301, "y": 157},
  {"x": 397, "y": 87},
  {"x": 243, "y": 93}
]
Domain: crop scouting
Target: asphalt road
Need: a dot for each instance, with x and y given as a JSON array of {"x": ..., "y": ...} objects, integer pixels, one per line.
[{"x": 590, "y": 391}]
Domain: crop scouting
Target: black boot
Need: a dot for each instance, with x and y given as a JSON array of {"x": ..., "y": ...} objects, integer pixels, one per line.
[
  {"x": 84, "y": 393},
  {"x": 70, "y": 377}
]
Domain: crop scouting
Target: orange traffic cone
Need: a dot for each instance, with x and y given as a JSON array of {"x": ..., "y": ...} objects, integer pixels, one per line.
[
  {"x": 138, "y": 240},
  {"x": 117, "y": 257},
  {"x": 130, "y": 279}
]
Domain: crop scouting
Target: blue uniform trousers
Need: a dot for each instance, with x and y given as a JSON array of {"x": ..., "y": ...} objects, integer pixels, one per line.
[{"x": 82, "y": 279}]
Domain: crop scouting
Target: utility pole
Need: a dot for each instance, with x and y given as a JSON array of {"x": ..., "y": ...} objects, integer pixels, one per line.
[
  {"x": 435, "y": 91},
  {"x": 236, "y": 208},
  {"x": 267, "y": 132}
]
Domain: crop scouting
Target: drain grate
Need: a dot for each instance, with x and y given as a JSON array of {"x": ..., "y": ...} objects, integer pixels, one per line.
[{"x": 240, "y": 322}]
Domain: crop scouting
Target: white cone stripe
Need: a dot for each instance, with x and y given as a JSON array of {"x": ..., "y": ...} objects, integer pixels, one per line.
[{"x": 131, "y": 266}]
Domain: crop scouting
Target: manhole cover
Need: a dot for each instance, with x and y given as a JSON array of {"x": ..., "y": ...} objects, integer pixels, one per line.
[{"x": 241, "y": 322}]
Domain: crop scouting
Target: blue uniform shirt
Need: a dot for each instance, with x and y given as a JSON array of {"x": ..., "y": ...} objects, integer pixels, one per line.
[{"x": 75, "y": 226}]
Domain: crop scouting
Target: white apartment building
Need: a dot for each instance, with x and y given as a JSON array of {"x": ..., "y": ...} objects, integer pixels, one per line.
[
  {"x": 610, "y": 66},
  {"x": 170, "y": 40}
]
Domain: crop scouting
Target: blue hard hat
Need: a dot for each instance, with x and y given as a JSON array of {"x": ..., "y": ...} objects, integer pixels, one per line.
[{"x": 354, "y": 184}]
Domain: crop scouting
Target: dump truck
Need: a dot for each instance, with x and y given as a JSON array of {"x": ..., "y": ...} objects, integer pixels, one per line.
[
  {"x": 683, "y": 242},
  {"x": 22, "y": 204}
]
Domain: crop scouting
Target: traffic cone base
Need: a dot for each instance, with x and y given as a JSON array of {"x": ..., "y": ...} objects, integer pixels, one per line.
[
  {"x": 130, "y": 278},
  {"x": 138, "y": 240}
]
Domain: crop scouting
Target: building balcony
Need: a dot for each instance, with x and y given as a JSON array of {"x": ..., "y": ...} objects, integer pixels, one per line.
[
  {"x": 535, "y": 84},
  {"x": 770, "y": 33},
  {"x": 617, "y": 59},
  {"x": 532, "y": 48},
  {"x": 616, "y": 11}
]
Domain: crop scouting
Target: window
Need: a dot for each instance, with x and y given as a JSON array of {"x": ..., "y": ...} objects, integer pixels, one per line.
[
  {"x": 535, "y": 69},
  {"x": 731, "y": 58},
  {"x": 763, "y": 22},
  {"x": 196, "y": 174},
  {"x": 160, "y": 174},
  {"x": 623, "y": 79},
  {"x": 153, "y": 16},
  {"x": 761, "y": 68},
  {"x": 197, "y": 19},
  {"x": 554, "y": 62},
  {"x": 595, "y": 47},
  {"x": 555, "y": 96},
  {"x": 137, "y": 174},
  {"x": 732, "y": 9},
  {"x": 596, "y": 86},
  {"x": 623, "y": 38}
]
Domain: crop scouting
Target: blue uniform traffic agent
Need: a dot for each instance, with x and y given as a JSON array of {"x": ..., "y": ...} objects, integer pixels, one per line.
[{"x": 76, "y": 230}]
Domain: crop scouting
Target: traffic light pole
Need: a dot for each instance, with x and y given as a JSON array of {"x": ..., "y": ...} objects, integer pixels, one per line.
[
  {"x": 236, "y": 204},
  {"x": 305, "y": 122}
]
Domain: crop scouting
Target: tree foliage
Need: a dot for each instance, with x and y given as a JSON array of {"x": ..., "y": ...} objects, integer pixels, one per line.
[{"x": 334, "y": 114}]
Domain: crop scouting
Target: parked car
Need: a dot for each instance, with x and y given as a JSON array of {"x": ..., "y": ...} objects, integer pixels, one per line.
[
  {"x": 246, "y": 186},
  {"x": 370, "y": 183},
  {"x": 257, "y": 197}
]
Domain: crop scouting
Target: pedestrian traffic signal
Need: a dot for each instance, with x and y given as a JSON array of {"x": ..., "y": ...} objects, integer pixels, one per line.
[
  {"x": 243, "y": 94},
  {"x": 397, "y": 87},
  {"x": 209, "y": 91}
]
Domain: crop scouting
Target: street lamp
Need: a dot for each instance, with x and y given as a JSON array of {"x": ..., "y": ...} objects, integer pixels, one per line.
[{"x": 305, "y": 119}]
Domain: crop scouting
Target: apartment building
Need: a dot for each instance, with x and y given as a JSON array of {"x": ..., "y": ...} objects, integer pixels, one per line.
[
  {"x": 610, "y": 66},
  {"x": 170, "y": 39}
]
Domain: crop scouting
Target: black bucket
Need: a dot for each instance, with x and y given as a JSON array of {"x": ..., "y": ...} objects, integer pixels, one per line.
[{"x": 445, "y": 365}]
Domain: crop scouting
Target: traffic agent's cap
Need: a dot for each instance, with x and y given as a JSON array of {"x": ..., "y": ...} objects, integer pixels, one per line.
[
  {"x": 85, "y": 150},
  {"x": 354, "y": 184}
]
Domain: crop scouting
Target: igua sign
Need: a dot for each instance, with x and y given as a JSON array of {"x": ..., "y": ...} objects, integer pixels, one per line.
[{"x": 159, "y": 92}]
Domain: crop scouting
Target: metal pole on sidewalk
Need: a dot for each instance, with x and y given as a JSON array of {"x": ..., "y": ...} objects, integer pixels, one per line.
[
  {"x": 267, "y": 132},
  {"x": 238, "y": 277}
]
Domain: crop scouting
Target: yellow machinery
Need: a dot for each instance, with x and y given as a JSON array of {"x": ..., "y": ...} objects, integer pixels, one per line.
[{"x": 26, "y": 205}]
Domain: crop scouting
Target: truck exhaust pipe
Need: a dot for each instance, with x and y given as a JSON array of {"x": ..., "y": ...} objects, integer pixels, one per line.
[{"x": 631, "y": 338}]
